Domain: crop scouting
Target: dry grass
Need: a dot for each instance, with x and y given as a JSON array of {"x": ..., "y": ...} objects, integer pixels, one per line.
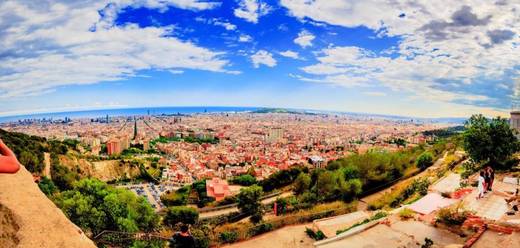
[{"x": 244, "y": 228}]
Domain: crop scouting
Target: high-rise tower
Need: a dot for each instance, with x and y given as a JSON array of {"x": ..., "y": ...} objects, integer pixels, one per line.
[
  {"x": 515, "y": 107},
  {"x": 135, "y": 128}
]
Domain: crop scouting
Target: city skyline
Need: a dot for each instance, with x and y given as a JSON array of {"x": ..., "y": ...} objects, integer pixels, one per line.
[{"x": 395, "y": 58}]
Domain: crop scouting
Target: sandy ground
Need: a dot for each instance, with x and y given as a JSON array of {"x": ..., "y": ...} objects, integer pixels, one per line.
[
  {"x": 289, "y": 236},
  {"x": 329, "y": 226},
  {"x": 399, "y": 234},
  {"x": 494, "y": 240},
  {"x": 8, "y": 228},
  {"x": 30, "y": 219}
]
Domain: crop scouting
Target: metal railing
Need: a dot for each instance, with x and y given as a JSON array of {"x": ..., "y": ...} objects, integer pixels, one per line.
[{"x": 125, "y": 238}]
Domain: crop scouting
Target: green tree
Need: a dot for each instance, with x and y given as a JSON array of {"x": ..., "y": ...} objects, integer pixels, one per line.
[
  {"x": 350, "y": 189},
  {"x": 490, "y": 141},
  {"x": 174, "y": 199},
  {"x": 186, "y": 215},
  {"x": 203, "y": 198},
  {"x": 94, "y": 206},
  {"x": 305, "y": 200},
  {"x": 30, "y": 161},
  {"x": 244, "y": 180},
  {"x": 302, "y": 183},
  {"x": 424, "y": 161},
  {"x": 249, "y": 200},
  {"x": 47, "y": 186},
  {"x": 63, "y": 177},
  {"x": 327, "y": 186},
  {"x": 281, "y": 205}
]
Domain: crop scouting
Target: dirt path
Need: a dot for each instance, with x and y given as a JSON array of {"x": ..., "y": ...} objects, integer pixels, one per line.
[
  {"x": 47, "y": 165},
  {"x": 289, "y": 236}
]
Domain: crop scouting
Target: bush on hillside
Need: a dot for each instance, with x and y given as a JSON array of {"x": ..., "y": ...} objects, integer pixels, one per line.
[
  {"x": 94, "y": 206},
  {"x": 244, "y": 180},
  {"x": 186, "y": 215},
  {"x": 424, "y": 161}
]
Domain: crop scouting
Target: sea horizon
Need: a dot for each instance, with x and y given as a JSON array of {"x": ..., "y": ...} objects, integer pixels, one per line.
[
  {"x": 169, "y": 110},
  {"x": 129, "y": 111}
]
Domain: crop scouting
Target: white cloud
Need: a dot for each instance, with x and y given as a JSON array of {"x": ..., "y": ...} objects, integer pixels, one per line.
[
  {"x": 228, "y": 26},
  {"x": 176, "y": 71},
  {"x": 251, "y": 10},
  {"x": 290, "y": 54},
  {"x": 304, "y": 39},
  {"x": 57, "y": 44},
  {"x": 164, "y": 4},
  {"x": 245, "y": 38},
  {"x": 441, "y": 47},
  {"x": 354, "y": 66},
  {"x": 374, "y": 93},
  {"x": 263, "y": 57}
]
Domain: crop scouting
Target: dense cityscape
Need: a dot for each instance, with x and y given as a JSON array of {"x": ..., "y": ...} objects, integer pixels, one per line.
[
  {"x": 259, "y": 124},
  {"x": 225, "y": 145},
  {"x": 228, "y": 144}
]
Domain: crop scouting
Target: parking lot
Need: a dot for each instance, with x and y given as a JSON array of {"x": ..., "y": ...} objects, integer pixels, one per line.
[{"x": 151, "y": 192}]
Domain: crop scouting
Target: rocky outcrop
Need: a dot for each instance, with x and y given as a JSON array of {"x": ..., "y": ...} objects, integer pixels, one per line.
[
  {"x": 105, "y": 170},
  {"x": 113, "y": 169},
  {"x": 29, "y": 219}
]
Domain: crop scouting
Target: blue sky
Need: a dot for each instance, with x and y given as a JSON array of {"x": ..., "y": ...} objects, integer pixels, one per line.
[{"x": 388, "y": 57}]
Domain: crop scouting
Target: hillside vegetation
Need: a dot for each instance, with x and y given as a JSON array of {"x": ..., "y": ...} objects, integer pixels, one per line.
[{"x": 30, "y": 149}]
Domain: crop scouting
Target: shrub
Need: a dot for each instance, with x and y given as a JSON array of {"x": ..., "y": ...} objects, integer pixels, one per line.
[
  {"x": 201, "y": 239},
  {"x": 95, "y": 206},
  {"x": 231, "y": 199},
  {"x": 174, "y": 199},
  {"x": 469, "y": 167},
  {"x": 304, "y": 201},
  {"x": 446, "y": 194},
  {"x": 244, "y": 180},
  {"x": 452, "y": 216},
  {"x": 281, "y": 205},
  {"x": 302, "y": 183},
  {"x": 424, "y": 161},
  {"x": 406, "y": 213},
  {"x": 281, "y": 178},
  {"x": 228, "y": 237},
  {"x": 319, "y": 235},
  {"x": 428, "y": 243},
  {"x": 403, "y": 193},
  {"x": 256, "y": 217},
  {"x": 377, "y": 216},
  {"x": 260, "y": 228},
  {"x": 147, "y": 244},
  {"x": 186, "y": 215},
  {"x": 47, "y": 186}
]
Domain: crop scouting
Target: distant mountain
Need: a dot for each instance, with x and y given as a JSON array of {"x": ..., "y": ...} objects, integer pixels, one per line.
[
  {"x": 453, "y": 120},
  {"x": 283, "y": 111}
]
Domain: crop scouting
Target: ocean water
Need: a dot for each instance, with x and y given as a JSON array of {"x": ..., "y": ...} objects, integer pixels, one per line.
[{"x": 126, "y": 112}]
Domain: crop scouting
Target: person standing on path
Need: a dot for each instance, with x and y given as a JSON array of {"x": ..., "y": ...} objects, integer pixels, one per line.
[
  {"x": 8, "y": 162},
  {"x": 486, "y": 180},
  {"x": 491, "y": 176},
  {"x": 480, "y": 185}
]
